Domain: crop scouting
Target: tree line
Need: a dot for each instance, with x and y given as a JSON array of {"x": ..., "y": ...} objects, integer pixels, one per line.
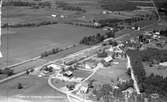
[
  {"x": 26, "y": 3},
  {"x": 153, "y": 54},
  {"x": 6, "y": 25},
  {"x": 163, "y": 33},
  {"x": 95, "y": 39},
  {"x": 7, "y": 71},
  {"x": 67, "y": 6},
  {"x": 50, "y": 52}
]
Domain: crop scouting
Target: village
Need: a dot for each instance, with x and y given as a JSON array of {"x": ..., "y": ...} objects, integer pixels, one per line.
[{"x": 86, "y": 51}]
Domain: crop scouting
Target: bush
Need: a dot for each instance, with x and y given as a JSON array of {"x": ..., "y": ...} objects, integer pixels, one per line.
[
  {"x": 92, "y": 40},
  {"x": 102, "y": 54},
  {"x": 7, "y": 71},
  {"x": 20, "y": 86}
]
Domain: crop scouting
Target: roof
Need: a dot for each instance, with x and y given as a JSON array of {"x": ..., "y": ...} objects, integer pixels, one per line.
[
  {"x": 163, "y": 64},
  {"x": 111, "y": 49},
  {"x": 109, "y": 58},
  {"x": 54, "y": 66},
  {"x": 68, "y": 72},
  {"x": 87, "y": 66}
]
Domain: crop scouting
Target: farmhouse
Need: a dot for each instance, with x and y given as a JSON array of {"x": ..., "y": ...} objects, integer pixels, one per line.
[
  {"x": 54, "y": 66},
  {"x": 163, "y": 64},
  {"x": 84, "y": 88},
  {"x": 108, "y": 59},
  {"x": 68, "y": 74}
]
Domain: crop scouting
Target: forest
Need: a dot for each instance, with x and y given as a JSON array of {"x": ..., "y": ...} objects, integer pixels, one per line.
[{"x": 152, "y": 83}]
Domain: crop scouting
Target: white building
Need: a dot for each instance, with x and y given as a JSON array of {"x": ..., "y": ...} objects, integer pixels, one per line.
[
  {"x": 163, "y": 64},
  {"x": 62, "y": 16},
  {"x": 54, "y": 66},
  {"x": 111, "y": 49},
  {"x": 108, "y": 59},
  {"x": 96, "y": 24},
  {"x": 157, "y": 33},
  {"x": 87, "y": 66},
  {"x": 108, "y": 28},
  {"x": 53, "y": 15}
]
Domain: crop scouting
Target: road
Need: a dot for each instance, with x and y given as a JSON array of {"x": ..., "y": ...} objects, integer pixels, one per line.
[
  {"x": 69, "y": 93},
  {"x": 69, "y": 56},
  {"x": 133, "y": 76}
]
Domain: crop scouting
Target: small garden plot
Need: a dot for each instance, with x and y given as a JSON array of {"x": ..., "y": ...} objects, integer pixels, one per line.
[
  {"x": 31, "y": 86},
  {"x": 59, "y": 83},
  {"x": 81, "y": 73}
]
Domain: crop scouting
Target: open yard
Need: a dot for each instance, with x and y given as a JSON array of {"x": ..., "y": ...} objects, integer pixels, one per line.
[
  {"x": 81, "y": 73},
  {"x": 112, "y": 72},
  {"x": 34, "y": 89}
]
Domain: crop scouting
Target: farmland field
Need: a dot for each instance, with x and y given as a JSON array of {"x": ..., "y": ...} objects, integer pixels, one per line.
[
  {"x": 34, "y": 89},
  {"x": 24, "y": 43}
]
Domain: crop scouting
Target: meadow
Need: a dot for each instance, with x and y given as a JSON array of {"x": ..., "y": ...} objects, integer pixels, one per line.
[{"x": 24, "y": 43}]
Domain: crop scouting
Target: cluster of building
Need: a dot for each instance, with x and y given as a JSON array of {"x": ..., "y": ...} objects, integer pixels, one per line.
[
  {"x": 148, "y": 36},
  {"x": 114, "y": 52},
  {"x": 59, "y": 15}
]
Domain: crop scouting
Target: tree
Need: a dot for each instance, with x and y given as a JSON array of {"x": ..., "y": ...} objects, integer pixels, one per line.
[
  {"x": 20, "y": 86},
  {"x": 8, "y": 71},
  {"x": 44, "y": 54},
  {"x": 102, "y": 54}
]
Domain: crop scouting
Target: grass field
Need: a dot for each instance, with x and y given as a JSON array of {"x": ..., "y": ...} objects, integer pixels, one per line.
[
  {"x": 33, "y": 89},
  {"x": 81, "y": 73},
  {"x": 112, "y": 72},
  {"x": 25, "y": 43}
]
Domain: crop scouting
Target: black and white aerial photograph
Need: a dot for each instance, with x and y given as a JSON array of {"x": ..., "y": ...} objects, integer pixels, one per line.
[{"x": 83, "y": 51}]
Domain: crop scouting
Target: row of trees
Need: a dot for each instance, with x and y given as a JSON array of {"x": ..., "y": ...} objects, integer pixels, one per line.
[
  {"x": 17, "y": 3},
  {"x": 153, "y": 54},
  {"x": 29, "y": 24},
  {"x": 26, "y": 3},
  {"x": 108, "y": 22},
  {"x": 92, "y": 39},
  {"x": 50, "y": 52},
  {"x": 117, "y": 5},
  {"x": 7, "y": 71},
  {"x": 141, "y": 18},
  {"x": 98, "y": 38},
  {"x": 67, "y": 6},
  {"x": 163, "y": 33}
]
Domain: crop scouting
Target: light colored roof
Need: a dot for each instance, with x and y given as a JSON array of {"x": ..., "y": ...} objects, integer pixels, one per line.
[
  {"x": 163, "y": 64},
  {"x": 157, "y": 33},
  {"x": 54, "y": 66},
  {"x": 87, "y": 66},
  {"x": 111, "y": 49},
  {"x": 109, "y": 58},
  {"x": 68, "y": 72}
]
